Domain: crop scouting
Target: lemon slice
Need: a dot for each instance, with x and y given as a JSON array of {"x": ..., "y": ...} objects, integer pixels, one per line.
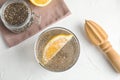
[
  {"x": 40, "y": 3},
  {"x": 53, "y": 46}
]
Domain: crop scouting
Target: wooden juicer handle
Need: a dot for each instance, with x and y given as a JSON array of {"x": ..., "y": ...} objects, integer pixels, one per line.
[{"x": 112, "y": 55}]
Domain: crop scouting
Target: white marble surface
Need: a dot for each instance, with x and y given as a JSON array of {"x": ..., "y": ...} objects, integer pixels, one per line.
[{"x": 18, "y": 63}]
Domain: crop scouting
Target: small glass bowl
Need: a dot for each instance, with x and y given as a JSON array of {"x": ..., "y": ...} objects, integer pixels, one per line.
[{"x": 16, "y": 28}]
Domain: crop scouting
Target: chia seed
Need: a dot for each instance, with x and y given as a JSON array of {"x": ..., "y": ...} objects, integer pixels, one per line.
[{"x": 16, "y": 13}]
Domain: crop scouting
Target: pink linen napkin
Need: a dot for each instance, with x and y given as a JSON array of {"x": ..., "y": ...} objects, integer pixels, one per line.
[{"x": 50, "y": 14}]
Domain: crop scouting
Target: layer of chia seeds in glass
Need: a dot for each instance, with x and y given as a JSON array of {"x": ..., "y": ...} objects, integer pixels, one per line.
[{"x": 16, "y": 13}]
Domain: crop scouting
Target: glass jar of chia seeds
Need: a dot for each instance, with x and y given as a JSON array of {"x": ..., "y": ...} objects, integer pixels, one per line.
[{"x": 16, "y": 15}]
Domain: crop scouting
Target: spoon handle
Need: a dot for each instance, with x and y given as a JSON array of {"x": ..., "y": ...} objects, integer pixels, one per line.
[{"x": 112, "y": 55}]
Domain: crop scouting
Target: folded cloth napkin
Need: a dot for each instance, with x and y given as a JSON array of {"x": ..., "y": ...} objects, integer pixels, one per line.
[{"x": 55, "y": 11}]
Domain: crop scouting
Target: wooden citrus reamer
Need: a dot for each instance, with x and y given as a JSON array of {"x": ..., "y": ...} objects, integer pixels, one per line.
[{"x": 99, "y": 38}]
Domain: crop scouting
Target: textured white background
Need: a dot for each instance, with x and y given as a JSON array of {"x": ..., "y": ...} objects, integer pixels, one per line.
[{"x": 18, "y": 63}]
